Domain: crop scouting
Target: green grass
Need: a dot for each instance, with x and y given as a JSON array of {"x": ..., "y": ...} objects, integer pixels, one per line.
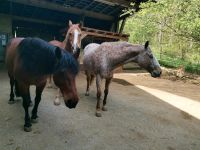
[{"x": 175, "y": 63}]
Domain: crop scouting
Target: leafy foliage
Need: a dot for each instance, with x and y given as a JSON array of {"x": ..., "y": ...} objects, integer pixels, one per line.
[{"x": 173, "y": 27}]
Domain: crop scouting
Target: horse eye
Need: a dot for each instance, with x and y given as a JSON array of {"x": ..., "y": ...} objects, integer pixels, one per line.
[{"x": 151, "y": 56}]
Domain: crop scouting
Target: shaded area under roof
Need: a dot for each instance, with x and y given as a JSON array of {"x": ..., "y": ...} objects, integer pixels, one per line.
[{"x": 103, "y": 12}]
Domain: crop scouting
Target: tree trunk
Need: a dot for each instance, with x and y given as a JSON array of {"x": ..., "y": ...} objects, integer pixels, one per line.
[{"x": 160, "y": 34}]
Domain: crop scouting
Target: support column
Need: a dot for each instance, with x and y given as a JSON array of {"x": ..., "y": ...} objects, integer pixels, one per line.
[{"x": 122, "y": 25}]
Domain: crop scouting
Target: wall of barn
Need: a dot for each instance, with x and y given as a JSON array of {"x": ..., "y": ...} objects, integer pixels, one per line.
[{"x": 5, "y": 33}]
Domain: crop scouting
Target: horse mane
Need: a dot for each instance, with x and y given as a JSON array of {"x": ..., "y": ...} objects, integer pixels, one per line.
[
  {"x": 66, "y": 38},
  {"x": 122, "y": 44},
  {"x": 38, "y": 57},
  {"x": 71, "y": 63}
]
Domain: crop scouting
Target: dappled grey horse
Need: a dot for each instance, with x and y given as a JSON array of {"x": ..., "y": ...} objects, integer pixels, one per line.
[{"x": 101, "y": 60}]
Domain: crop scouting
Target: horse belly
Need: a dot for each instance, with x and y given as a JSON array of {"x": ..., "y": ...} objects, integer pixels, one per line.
[
  {"x": 26, "y": 77},
  {"x": 29, "y": 79},
  {"x": 88, "y": 64}
]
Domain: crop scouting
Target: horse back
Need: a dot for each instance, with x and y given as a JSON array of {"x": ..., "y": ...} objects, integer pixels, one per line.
[{"x": 57, "y": 43}]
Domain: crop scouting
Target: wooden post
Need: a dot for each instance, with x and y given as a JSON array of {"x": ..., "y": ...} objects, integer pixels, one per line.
[
  {"x": 122, "y": 26},
  {"x": 160, "y": 40}
]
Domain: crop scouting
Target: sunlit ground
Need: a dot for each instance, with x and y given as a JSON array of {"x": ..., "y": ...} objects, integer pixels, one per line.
[{"x": 188, "y": 105}]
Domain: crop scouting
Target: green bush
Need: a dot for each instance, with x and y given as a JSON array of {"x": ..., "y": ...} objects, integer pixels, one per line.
[{"x": 175, "y": 63}]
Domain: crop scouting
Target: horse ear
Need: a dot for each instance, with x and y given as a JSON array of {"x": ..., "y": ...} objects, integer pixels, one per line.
[
  {"x": 70, "y": 23},
  {"x": 58, "y": 53},
  {"x": 146, "y": 44},
  {"x": 80, "y": 24}
]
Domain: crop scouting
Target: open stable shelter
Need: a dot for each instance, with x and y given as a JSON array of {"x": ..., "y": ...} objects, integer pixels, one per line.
[{"x": 47, "y": 19}]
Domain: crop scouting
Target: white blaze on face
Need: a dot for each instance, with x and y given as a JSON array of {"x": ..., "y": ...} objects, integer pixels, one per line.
[{"x": 75, "y": 42}]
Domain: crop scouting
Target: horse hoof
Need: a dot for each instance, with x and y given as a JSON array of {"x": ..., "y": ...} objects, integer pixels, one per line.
[
  {"x": 87, "y": 94},
  {"x": 104, "y": 108},
  {"x": 49, "y": 86},
  {"x": 17, "y": 94},
  {"x": 11, "y": 102},
  {"x": 98, "y": 113},
  {"x": 54, "y": 87},
  {"x": 57, "y": 102},
  {"x": 34, "y": 120},
  {"x": 27, "y": 129}
]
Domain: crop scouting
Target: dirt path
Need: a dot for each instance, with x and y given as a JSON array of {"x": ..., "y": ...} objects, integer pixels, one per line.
[{"x": 136, "y": 119}]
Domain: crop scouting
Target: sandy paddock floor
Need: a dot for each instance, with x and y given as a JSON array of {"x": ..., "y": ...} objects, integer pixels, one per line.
[{"x": 143, "y": 114}]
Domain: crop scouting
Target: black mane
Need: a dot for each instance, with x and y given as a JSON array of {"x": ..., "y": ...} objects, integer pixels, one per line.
[{"x": 38, "y": 57}]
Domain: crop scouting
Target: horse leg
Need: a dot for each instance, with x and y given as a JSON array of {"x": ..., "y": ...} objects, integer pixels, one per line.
[
  {"x": 88, "y": 83},
  {"x": 24, "y": 91},
  {"x": 17, "y": 93},
  {"x": 39, "y": 90},
  {"x": 57, "y": 100},
  {"x": 91, "y": 79},
  {"x": 49, "y": 82},
  {"x": 108, "y": 80},
  {"x": 98, "y": 84},
  {"x": 12, "y": 82}
]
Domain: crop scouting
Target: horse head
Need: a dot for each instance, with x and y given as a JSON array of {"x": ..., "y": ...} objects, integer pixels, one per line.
[
  {"x": 73, "y": 37},
  {"x": 148, "y": 61},
  {"x": 65, "y": 80}
]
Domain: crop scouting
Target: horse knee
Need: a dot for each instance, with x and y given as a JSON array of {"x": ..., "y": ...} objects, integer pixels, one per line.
[
  {"x": 17, "y": 93},
  {"x": 98, "y": 94},
  {"x": 27, "y": 103}
]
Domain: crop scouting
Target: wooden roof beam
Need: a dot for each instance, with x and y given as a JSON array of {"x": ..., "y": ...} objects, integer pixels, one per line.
[
  {"x": 115, "y": 2},
  {"x": 57, "y": 7},
  {"x": 37, "y": 21},
  {"x": 86, "y": 33}
]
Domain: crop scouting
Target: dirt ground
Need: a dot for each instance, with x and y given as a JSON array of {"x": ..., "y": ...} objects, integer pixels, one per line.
[{"x": 135, "y": 120}]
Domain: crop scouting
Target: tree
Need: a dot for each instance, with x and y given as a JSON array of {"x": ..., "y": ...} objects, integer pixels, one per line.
[{"x": 172, "y": 26}]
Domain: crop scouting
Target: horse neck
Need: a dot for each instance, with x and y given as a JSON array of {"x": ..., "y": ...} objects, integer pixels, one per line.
[
  {"x": 67, "y": 44},
  {"x": 123, "y": 56}
]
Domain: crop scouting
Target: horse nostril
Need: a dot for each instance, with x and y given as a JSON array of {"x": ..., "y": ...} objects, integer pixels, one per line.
[
  {"x": 156, "y": 73},
  {"x": 78, "y": 49},
  {"x": 71, "y": 103}
]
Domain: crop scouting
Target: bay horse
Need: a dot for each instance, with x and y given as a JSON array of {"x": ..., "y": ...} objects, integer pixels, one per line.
[
  {"x": 101, "y": 60},
  {"x": 72, "y": 44},
  {"x": 29, "y": 62}
]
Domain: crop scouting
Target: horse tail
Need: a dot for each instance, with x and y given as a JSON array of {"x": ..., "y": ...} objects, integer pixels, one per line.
[{"x": 17, "y": 93}]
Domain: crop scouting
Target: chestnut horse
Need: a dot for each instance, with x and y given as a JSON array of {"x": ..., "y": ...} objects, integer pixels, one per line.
[
  {"x": 72, "y": 44},
  {"x": 72, "y": 41},
  {"x": 29, "y": 62}
]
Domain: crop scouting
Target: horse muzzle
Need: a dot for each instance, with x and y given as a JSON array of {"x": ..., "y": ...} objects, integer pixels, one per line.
[
  {"x": 76, "y": 50},
  {"x": 156, "y": 73},
  {"x": 71, "y": 103}
]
